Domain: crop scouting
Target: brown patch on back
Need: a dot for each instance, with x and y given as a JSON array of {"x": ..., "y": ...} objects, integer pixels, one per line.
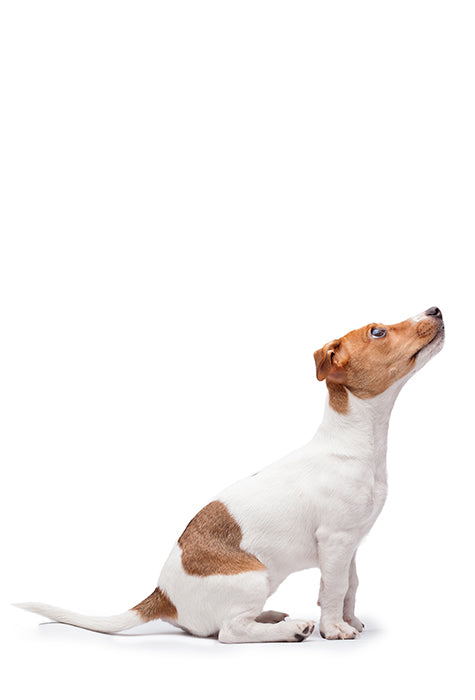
[
  {"x": 211, "y": 544},
  {"x": 157, "y": 605}
]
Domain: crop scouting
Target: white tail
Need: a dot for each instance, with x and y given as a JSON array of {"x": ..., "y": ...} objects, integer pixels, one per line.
[{"x": 111, "y": 624}]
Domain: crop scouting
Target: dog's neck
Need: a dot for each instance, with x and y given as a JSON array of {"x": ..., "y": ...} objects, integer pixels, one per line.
[{"x": 361, "y": 432}]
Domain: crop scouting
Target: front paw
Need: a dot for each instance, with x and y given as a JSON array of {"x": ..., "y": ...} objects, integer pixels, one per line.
[
  {"x": 354, "y": 622},
  {"x": 338, "y": 630}
]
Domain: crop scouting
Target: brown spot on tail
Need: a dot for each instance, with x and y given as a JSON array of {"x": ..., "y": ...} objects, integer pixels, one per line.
[
  {"x": 211, "y": 544},
  {"x": 157, "y": 605}
]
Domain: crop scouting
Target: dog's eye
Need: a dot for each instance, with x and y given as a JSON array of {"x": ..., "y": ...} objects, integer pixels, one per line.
[{"x": 378, "y": 332}]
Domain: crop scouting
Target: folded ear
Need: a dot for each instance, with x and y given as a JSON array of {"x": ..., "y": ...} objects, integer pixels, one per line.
[{"x": 330, "y": 365}]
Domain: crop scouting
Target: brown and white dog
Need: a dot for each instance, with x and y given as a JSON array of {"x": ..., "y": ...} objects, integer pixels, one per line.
[{"x": 309, "y": 509}]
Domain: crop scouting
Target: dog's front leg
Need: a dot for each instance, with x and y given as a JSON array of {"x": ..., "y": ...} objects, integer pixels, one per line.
[
  {"x": 335, "y": 554},
  {"x": 349, "y": 602}
]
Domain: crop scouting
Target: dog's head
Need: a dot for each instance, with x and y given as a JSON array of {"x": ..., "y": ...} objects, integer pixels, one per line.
[{"x": 371, "y": 359}]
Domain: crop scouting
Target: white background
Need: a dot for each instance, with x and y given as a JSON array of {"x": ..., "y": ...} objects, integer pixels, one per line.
[{"x": 196, "y": 196}]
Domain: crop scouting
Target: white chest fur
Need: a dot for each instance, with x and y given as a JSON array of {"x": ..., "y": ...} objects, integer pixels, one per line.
[{"x": 337, "y": 482}]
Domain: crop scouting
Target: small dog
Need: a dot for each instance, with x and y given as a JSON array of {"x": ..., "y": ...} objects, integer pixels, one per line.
[{"x": 309, "y": 509}]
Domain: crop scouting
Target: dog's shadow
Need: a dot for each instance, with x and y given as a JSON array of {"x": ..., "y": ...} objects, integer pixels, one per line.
[
  {"x": 154, "y": 628},
  {"x": 157, "y": 628}
]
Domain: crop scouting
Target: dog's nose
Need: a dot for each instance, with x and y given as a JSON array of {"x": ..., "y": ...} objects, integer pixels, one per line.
[{"x": 434, "y": 311}]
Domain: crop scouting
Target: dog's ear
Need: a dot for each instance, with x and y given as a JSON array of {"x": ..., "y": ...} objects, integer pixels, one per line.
[{"x": 330, "y": 364}]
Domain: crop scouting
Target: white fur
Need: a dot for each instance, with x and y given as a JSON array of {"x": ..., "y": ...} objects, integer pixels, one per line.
[
  {"x": 326, "y": 495},
  {"x": 111, "y": 624},
  {"x": 310, "y": 509}
]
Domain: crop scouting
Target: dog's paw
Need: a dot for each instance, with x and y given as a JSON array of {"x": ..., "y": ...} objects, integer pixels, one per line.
[
  {"x": 338, "y": 630},
  {"x": 354, "y": 622},
  {"x": 303, "y": 629}
]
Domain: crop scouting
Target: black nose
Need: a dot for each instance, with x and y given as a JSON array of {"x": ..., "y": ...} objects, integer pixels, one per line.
[{"x": 434, "y": 311}]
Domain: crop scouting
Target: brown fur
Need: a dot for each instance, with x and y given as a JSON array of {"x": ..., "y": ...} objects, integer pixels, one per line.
[
  {"x": 324, "y": 359},
  {"x": 211, "y": 544},
  {"x": 157, "y": 605},
  {"x": 338, "y": 397},
  {"x": 368, "y": 366}
]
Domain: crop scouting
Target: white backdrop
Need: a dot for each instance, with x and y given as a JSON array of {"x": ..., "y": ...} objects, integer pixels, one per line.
[{"x": 196, "y": 196}]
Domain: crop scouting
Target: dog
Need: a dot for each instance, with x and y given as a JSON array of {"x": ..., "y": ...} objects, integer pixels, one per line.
[{"x": 309, "y": 509}]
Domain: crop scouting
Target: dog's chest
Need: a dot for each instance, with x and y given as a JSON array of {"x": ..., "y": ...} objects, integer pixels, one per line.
[
  {"x": 280, "y": 509},
  {"x": 349, "y": 493}
]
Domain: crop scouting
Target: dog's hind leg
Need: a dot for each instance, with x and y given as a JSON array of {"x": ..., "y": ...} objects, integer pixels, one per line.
[
  {"x": 233, "y": 603},
  {"x": 243, "y": 621},
  {"x": 244, "y": 628}
]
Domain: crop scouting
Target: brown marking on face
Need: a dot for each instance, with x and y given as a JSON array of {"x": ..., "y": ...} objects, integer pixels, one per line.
[
  {"x": 366, "y": 365},
  {"x": 211, "y": 544},
  {"x": 157, "y": 605}
]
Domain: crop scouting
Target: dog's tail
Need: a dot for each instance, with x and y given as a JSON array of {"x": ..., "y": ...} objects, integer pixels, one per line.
[{"x": 156, "y": 606}]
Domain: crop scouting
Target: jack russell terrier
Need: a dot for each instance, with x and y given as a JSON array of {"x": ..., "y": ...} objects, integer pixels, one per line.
[{"x": 309, "y": 509}]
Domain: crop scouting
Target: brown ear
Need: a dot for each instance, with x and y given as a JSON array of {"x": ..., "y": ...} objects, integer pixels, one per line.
[{"x": 329, "y": 364}]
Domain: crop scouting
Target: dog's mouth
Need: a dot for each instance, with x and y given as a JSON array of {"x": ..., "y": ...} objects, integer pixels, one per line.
[{"x": 438, "y": 335}]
